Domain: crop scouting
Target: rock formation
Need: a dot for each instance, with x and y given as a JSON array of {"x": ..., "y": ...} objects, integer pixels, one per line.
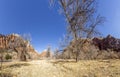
[
  {"x": 109, "y": 42},
  {"x": 45, "y": 54},
  {"x": 17, "y": 47},
  {"x": 95, "y": 48}
]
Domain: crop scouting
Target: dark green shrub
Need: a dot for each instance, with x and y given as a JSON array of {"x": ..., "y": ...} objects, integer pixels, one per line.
[{"x": 7, "y": 57}]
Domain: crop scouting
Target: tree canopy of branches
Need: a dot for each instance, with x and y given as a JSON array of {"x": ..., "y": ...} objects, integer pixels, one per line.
[
  {"x": 21, "y": 42},
  {"x": 82, "y": 19},
  {"x": 48, "y": 53}
]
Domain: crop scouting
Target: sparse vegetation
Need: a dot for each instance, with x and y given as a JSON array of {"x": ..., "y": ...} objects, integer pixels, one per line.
[
  {"x": 64, "y": 68},
  {"x": 80, "y": 53},
  {"x": 8, "y": 56},
  {"x": 82, "y": 20},
  {"x": 48, "y": 54},
  {"x": 7, "y": 68}
]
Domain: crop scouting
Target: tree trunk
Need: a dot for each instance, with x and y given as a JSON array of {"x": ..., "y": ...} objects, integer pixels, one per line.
[
  {"x": 76, "y": 59},
  {"x": 77, "y": 54},
  {"x": 23, "y": 56}
]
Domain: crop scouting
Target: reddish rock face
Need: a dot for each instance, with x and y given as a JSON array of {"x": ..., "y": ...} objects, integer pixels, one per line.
[
  {"x": 9, "y": 42},
  {"x": 2, "y": 41},
  {"x": 107, "y": 43},
  {"x": 43, "y": 54},
  {"x": 5, "y": 40},
  {"x": 97, "y": 42}
]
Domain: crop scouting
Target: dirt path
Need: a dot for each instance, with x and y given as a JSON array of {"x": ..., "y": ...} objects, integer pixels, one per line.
[{"x": 40, "y": 68}]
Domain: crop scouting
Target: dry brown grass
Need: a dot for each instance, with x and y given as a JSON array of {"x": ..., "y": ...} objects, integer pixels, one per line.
[
  {"x": 83, "y": 68},
  {"x": 8, "y": 67},
  {"x": 91, "y": 68}
]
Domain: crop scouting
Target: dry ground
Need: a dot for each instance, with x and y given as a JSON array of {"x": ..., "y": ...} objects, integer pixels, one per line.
[{"x": 52, "y": 68}]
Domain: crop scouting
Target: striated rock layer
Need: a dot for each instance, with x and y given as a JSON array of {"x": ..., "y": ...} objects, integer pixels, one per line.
[
  {"x": 109, "y": 42},
  {"x": 17, "y": 47},
  {"x": 95, "y": 48}
]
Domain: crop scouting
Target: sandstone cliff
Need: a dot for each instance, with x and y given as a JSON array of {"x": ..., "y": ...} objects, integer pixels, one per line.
[
  {"x": 45, "y": 54},
  {"x": 17, "y": 47},
  {"x": 95, "y": 48},
  {"x": 108, "y": 42}
]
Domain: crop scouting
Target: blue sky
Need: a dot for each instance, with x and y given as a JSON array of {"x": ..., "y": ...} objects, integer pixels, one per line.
[
  {"x": 111, "y": 10},
  {"x": 45, "y": 24}
]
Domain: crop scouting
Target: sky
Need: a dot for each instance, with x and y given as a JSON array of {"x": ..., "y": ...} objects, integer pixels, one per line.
[{"x": 44, "y": 23}]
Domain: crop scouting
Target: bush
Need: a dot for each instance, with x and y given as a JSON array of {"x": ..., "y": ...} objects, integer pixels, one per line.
[{"x": 7, "y": 57}]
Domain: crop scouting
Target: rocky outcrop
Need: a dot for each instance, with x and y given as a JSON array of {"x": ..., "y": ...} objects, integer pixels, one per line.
[
  {"x": 95, "y": 48},
  {"x": 20, "y": 48},
  {"x": 45, "y": 54},
  {"x": 109, "y": 42}
]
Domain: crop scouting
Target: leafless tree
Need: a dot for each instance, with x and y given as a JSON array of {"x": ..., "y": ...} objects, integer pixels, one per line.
[
  {"x": 48, "y": 54},
  {"x": 82, "y": 19},
  {"x": 56, "y": 54},
  {"x": 27, "y": 37},
  {"x": 63, "y": 44},
  {"x": 21, "y": 43}
]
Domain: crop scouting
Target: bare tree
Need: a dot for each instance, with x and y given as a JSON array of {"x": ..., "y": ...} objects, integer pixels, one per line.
[
  {"x": 21, "y": 43},
  {"x": 27, "y": 37},
  {"x": 57, "y": 54},
  {"x": 63, "y": 44},
  {"x": 48, "y": 54},
  {"x": 82, "y": 20}
]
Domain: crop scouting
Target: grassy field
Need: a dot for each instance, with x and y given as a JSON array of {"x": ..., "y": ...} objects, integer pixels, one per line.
[{"x": 60, "y": 68}]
